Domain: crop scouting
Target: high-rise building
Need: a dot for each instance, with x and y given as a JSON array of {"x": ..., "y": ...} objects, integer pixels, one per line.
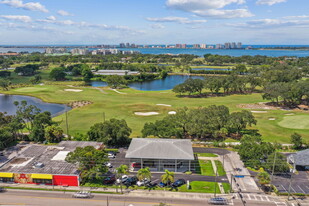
[
  {"x": 218, "y": 46},
  {"x": 239, "y": 45},
  {"x": 78, "y": 51},
  {"x": 178, "y": 46},
  {"x": 196, "y": 46},
  {"x": 227, "y": 45},
  {"x": 183, "y": 46},
  {"x": 127, "y": 45},
  {"x": 233, "y": 46},
  {"x": 122, "y": 45},
  {"x": 203, "y": 46}
]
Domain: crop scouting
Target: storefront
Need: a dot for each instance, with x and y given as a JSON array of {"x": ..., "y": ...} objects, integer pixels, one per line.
[{"x": 6, "y": 177}]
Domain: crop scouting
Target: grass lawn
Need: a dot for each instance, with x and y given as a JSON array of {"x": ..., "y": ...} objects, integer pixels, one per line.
[
  {"x": 200, "y": 187},
  {"x": 206, "y": 155},
  {"x": 220, "y": 168},
  {"x": 226, "y": 187},
  {"x": 123, "y": 106},
  {"x": 205, "y": 168}
]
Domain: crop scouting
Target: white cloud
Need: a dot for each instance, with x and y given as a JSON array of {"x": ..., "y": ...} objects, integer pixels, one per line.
[
  {"x": 51, "y": 18},
  {"x": 25, "y": 19},
  {"x": 210, "y": 8},
  {"x": 32, "y": 6},
  {"x": 64, "y": 13},
  {"x": 272, "y": 23},
  {"x": 181, "y": 20},
  {"x": 269, "y": 2},
  {"x": 157, "y": 26}
]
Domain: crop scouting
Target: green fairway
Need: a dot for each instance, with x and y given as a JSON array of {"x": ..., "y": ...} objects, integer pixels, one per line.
[
  {"x": 123, "y": 105},
  {"x": 295, "y": 122}
]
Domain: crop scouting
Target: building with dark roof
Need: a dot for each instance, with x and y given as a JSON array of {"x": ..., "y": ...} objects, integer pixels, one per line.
[
  {"x": 300, "y": 160},
  {"x": 160, "y": 154},
  {"x": 42, "y": 164}
]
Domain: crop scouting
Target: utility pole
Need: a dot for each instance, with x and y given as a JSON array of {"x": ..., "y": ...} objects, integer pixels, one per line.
[
  {"x": 273, "y": 170},
  {"x": 66, "y": 121},
  {"x": 290, "y": 185}
]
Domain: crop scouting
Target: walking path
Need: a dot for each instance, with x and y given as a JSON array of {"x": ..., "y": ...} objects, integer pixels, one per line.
[{"x": 115, "y": 90}]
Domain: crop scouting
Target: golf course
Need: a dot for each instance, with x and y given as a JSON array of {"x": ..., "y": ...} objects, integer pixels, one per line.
[{"x": 275, "y": 125}]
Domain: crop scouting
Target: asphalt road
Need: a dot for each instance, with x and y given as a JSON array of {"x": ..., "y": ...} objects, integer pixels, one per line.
[{"x": 36, "y": 198}]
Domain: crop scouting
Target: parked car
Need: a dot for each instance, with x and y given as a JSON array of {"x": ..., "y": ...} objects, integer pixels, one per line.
[
  {"x": 161, "y": 184},
  {"x": 136, "y": 165},
  {"x": 109, "y": 180},
  {"x": 143, "y": 182},
  {"x": 111, "y": 155},
  {"x": 122, "y": 179},
  {"x": 2, "y": 189},
  {"x": 218, "y": 201},
  {"x": 130, "y": 181},
  {"x": 82, "y": 194},
  {"x": 1, "y": 154},
  {"x": 151, "y": 185},
  {"x": 109, "y": 165},
  {"x": 179, "y": 183}
]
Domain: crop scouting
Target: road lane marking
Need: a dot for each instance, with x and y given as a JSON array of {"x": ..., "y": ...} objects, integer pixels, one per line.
[
  {"x": 249, "y": 196},
  {"x": 61, "y": 198}
]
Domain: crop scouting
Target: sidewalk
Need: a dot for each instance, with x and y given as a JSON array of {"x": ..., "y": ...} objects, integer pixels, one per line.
[
  {"x": 129, "y": 192},
  {"x": 247, "y": 184}
]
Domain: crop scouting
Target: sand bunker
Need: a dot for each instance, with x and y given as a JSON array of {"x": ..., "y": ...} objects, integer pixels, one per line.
[
  {"x": 259, "y": 111},
  {"x": 165, "y": 105},
  {"x": 290, "y": 114},
  {"x": 146, "y": 113},
  {"x": 73, "y": 90},
  {"x": 172, "y": 112},
  {"x": 272, "y": 118}
]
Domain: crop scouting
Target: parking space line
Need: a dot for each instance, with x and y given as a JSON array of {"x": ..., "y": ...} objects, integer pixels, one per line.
[
  {"x": 267, "y": 198},
  {"x": 255, "y": 197},
  {"x": 262, "y": 197},
  {"x": 301, "y": 189},
  {"x": 284, "y": 188},
  {"x": 280, "y": 203}
]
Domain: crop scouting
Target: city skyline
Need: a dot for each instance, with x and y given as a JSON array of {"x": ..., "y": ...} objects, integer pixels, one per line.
[{"x": 46, "y": 22}]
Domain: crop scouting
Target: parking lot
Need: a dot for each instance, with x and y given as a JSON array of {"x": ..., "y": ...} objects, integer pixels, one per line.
[{"x": 299, "y": 184}]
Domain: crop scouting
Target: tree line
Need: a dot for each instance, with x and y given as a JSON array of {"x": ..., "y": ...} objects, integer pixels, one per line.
[{"x": 204, "y": 122}]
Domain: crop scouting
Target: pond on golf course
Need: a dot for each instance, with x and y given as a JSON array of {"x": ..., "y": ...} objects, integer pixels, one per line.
[
  {"x": 154, "y": 85},
  {"x": 7, "y": 104}
]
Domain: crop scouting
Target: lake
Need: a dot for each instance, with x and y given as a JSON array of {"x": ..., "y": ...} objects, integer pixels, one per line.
[
  {"x": 154, "y": 85},
  {"x": 212, "y": 69},
  {"x": 7, "y": 104}
]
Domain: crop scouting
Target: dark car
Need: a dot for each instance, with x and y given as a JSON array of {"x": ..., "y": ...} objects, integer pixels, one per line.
[
  {"x": 218, "y": 201},
  {"x": 179, "y": 183},
  {"x": 151, "y": 185},
  {"x": 109, "y": 180},
  {"x": 162, "y": 184},
  {"x": 2, "y": 189},
  {"x": 130, "y": 181}
]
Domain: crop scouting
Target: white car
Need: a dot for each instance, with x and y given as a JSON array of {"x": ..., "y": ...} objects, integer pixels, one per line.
[
  {"x": 142, "y": 182},
  {"x": 123, "y": 179},
  {"x": 111, "y": 155},
  {"x": 109, "y": 165}
]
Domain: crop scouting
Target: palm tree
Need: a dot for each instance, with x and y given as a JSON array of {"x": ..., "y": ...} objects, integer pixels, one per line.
[
  {"x": 167, "y": 177},
  {"x": 121, "y": 170},
  {"x": 143, "y": 174}
]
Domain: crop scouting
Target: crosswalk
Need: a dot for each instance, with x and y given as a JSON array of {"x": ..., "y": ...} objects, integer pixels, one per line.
[{"x": 255, "y": 197}]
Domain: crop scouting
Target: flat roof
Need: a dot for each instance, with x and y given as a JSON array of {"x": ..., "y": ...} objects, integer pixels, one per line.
[
  {"x": 52, "y": 158},
  {"x": 168, "y": 149},
  {"x": 301, "y": 158}
]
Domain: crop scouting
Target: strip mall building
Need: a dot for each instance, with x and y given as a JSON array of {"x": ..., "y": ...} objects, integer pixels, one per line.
[{"x": 37, "y": 164}]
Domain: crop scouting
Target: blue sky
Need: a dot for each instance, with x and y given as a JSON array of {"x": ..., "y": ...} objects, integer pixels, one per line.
[{"x": 153, "y": 21}]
